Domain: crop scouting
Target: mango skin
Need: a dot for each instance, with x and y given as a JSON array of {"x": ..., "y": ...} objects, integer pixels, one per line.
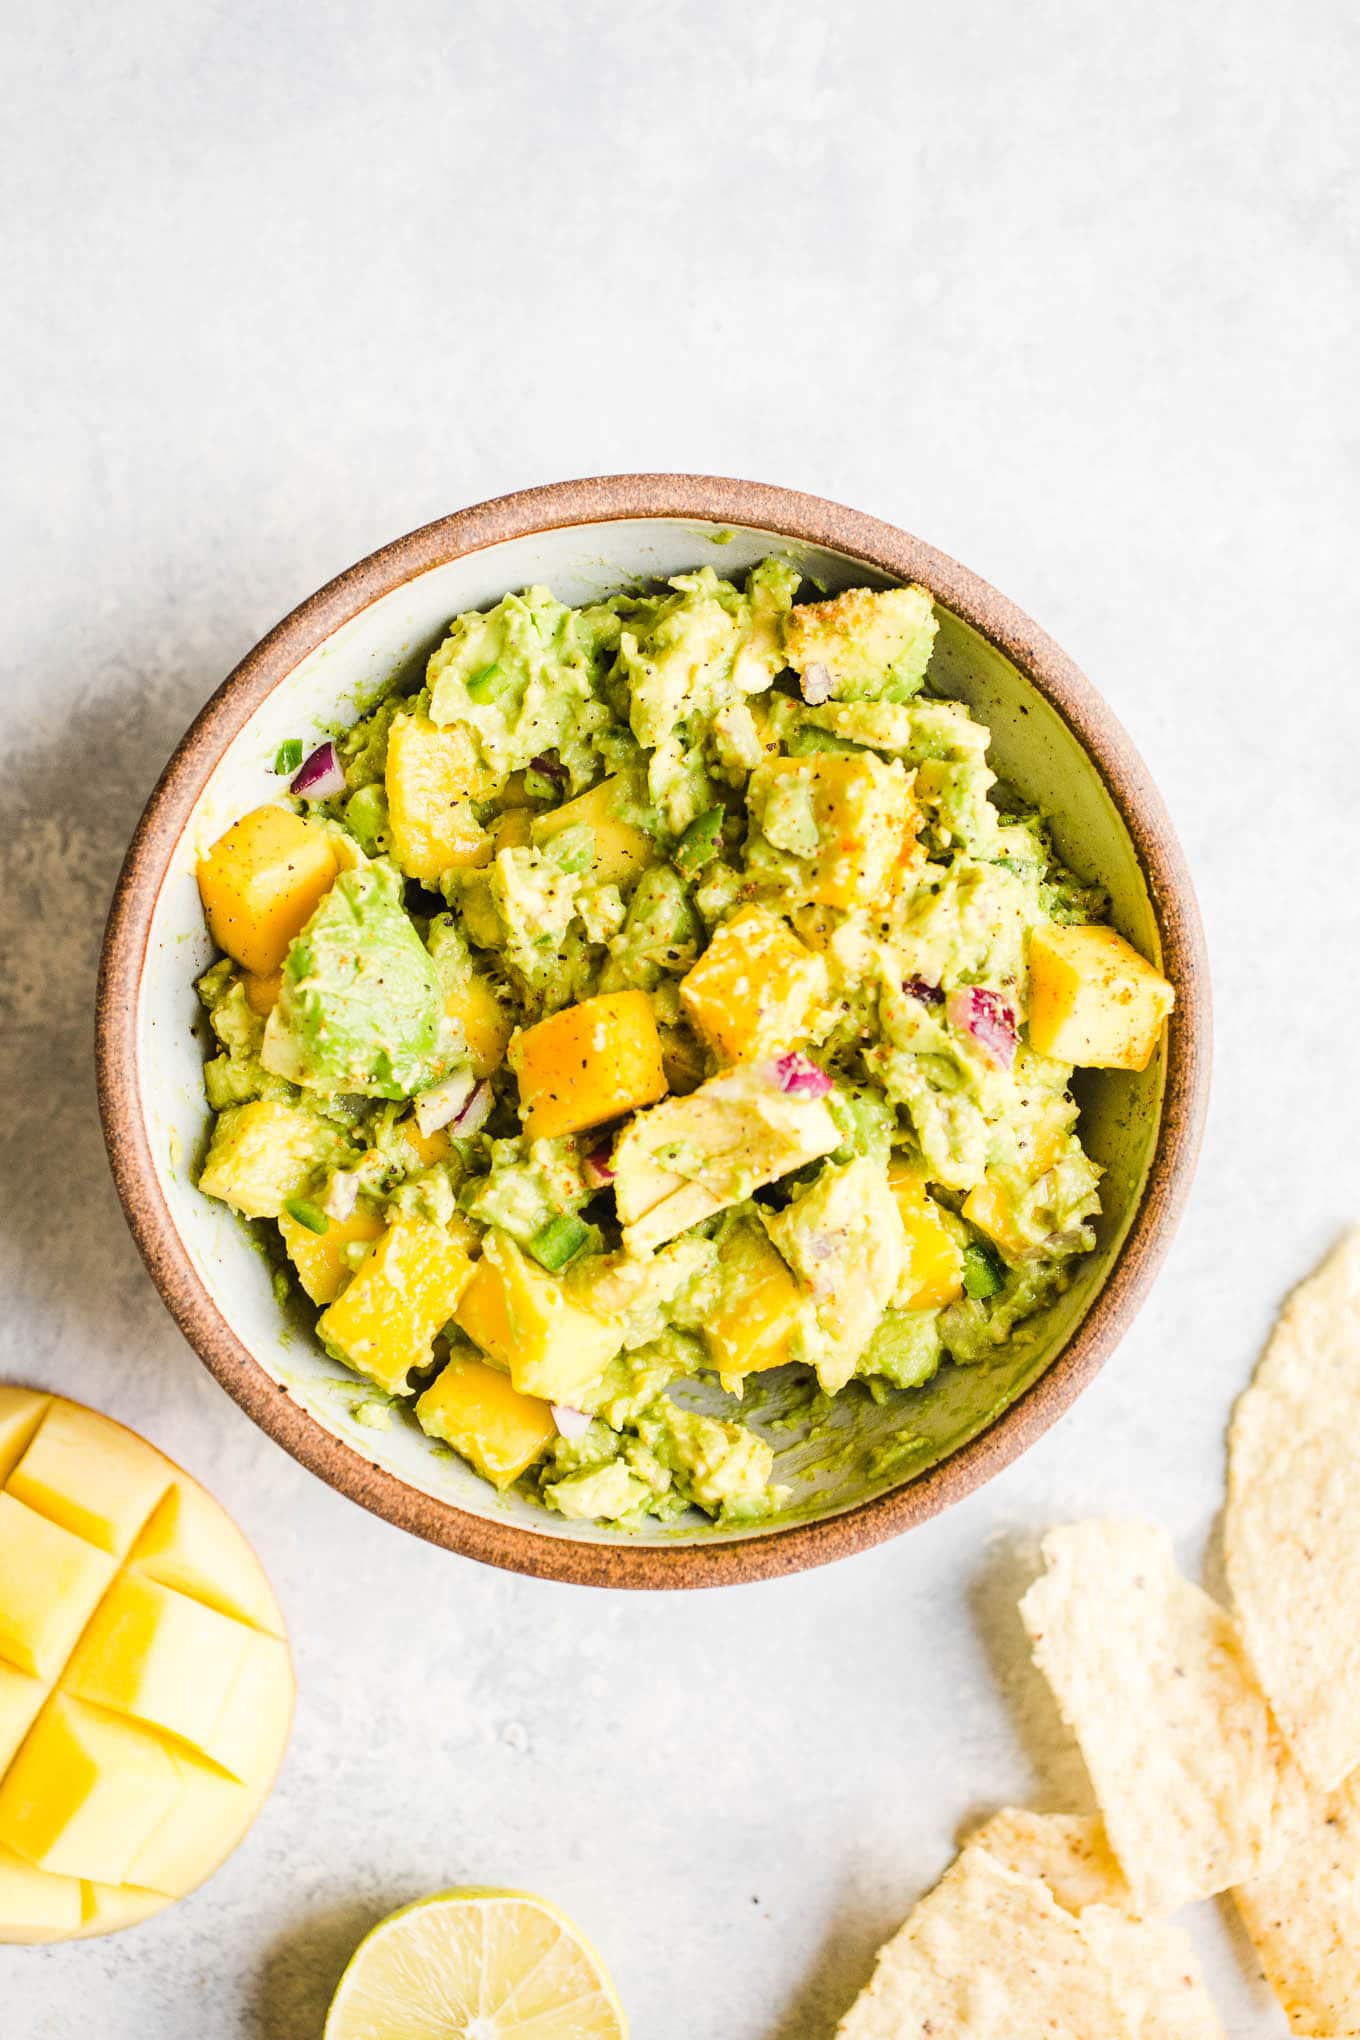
[
  {"x": 1093, "y": 1000},
  {"x": 260, "y": 883},
  {"x": 589, "y": 1063}
]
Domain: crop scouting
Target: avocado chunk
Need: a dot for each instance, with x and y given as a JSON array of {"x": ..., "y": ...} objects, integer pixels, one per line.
[{"x": 360, "y": 1008}]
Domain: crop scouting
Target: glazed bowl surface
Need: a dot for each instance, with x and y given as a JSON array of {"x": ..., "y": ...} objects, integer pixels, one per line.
[{"x": 881, "y": 1468}]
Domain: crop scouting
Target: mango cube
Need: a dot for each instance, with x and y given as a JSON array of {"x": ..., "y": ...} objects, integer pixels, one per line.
[
  {"x": 621, "y": 850},
  {"x": 85, "y": 1792},
  {"x": 756, "y": 989},
  {"x": 112, "y": 1681},
  {"x": 96, "y": 1479},
  {"x": 589, "y": 1063},
  {"x": 159, "y": 1657},
  {"x": 1093, "y": 1000},
  {"x": 760, "y": 1307},
  {"x": 264, "y": 1153},
  {"x": 433, "y": 776},
  {"x": 260, "y": 883},
  {"x": 383, "y": 1323},
  {"x": 35, "y": 1905},
  {"x": 485, "y": 1024},
  {"x": 862, "y": 820},
  {"x": 934, "y": 1271},
  {"x": 319, "y": 1258},
  {"x": 523, "y": 1318},
  {"x": 479, "y": 1411},
  {"x": 50, "y": 1584},
  {"x": 21, "y": 1412}
]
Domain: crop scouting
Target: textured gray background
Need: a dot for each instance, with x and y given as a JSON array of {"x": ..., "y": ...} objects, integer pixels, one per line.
[{"x": 1068, "y": 290}]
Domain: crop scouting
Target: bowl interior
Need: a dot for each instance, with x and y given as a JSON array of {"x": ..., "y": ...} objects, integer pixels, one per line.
[{"x": 867, "y": 1448}]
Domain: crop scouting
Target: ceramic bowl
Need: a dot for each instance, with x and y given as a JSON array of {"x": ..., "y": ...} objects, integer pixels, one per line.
[{"x": 883, "y": 1469}]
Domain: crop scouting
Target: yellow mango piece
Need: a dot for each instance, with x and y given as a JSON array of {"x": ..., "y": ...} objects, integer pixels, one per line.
[
  {"x": 50, "y": 1583},
  {"x": 159, "y": 1657},
  {"x": 85, "y": 1792},
  {"x": 429, "y": 1147},
  {"x": 262, "y": 1154},
  {"x": 484, "y": 1021},
  {"x": 864, "y": 818},
  {"x": 192, "y": 1544},
  {"x": 21, "y": 1695},
  {"x": 179, "y": 1651},
  {"x": 383, "y": 1323},
  {"x": 21, "y": 1412},
  {"x": 261, "y": 882},
  {"x": 988, "y": 1207},
  {"x": 210, "y": 1811},
  {"x": 1093, "y": 1000},
  {"x": 588, "y": 1063},
  {"x": 262, "y": 993},
  {"x": 319, "y": 1258},
  {"x": 621, "y": 851},
  {"x": 96, "y": 1479},
  {"x": 250, "y": 1732},
  {"x": 759, "y": 1309},
  {"x": 513, "y": 830},
  {"x": 522, "y": 1317},
  {"x": 934, "y": 1274},
  {"x": 433, "y": 776},
  {"x": 755, "y": 990},
  {"x": 478, "y": 1411},
  {"x": 35, "y": 1905},
  {"x": 108, "y": 1908}
]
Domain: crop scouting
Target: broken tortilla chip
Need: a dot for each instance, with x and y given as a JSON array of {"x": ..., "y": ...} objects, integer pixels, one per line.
[
  {"x": 1195, "y": 1784},
  {"x": 1292, "y": 1529},
  {"x": 989, "y": 1955},
  {"x": 1304, "y": 1921},
  {"x": 1068, "y": 1852}
]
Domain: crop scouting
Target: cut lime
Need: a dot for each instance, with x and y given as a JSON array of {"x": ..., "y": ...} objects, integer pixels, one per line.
[{"x": 476, "y": 1965}]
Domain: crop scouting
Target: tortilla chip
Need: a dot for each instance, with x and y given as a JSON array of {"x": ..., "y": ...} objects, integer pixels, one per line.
[
  {"x": 988, "y": 1955},
  {"x": 1068, "y": 1852},
  {"x": 1292, "y": 1531},
  {"x": 1155, "y": 1970},
  {"x": 1304, "y": 1918},
  {"x": 1192, "y": 1776}
]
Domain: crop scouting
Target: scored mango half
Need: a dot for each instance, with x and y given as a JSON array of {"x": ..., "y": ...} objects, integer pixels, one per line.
[{"x": 145, "y": 1685}]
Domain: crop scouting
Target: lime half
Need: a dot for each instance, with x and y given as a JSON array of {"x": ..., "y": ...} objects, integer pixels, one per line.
[{"x": 476, "y": 1965}]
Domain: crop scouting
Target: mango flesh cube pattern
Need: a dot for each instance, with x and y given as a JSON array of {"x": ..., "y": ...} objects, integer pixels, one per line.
[
  {"x": 591, "y": 1062},
  {"x": 260, "y": 883},
  {"x": 756, "y": 988},
  {"x": 433, "y": 776},
  {"x": 50, "y": 1584},
  {"x": 478, "y": 1411},
  {"x": 144, "y": 1706},
  {"x": 1093, "y": 1000},
  {"x": 523, "y": 1318},
  {"x": 383, "y": 1323}
]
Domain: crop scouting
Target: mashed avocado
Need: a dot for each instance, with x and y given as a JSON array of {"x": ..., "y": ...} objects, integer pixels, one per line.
[{"x": 667, "y": 1019}]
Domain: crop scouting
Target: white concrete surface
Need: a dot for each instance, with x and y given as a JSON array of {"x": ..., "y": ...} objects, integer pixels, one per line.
[{"x": 1070, "y": 292}]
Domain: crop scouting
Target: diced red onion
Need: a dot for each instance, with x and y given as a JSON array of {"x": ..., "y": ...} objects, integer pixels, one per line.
[
  {"x": 342, "y": 1194},
  {"x": 321, "y": 776},
  {"x": 474, "y": 1112},
  {"x": 800, "y": 1077},
  {"x": 597, "y": 1168},
  {"x": 986, "y": 1016},
  {"x": 443, "y": 1102},
  {"x": 928, "y": 994},
  {"x": 816, "y": 684},
  {"x": 550, "y": 767},
  {"x": 570, "y": 1423}
]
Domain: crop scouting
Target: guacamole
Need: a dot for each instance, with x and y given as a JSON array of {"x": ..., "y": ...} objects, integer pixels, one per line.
[{"x": 661, "y": 990}]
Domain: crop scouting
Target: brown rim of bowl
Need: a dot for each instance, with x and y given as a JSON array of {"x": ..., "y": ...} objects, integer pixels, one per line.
[{"x": 790, "y": 514}]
